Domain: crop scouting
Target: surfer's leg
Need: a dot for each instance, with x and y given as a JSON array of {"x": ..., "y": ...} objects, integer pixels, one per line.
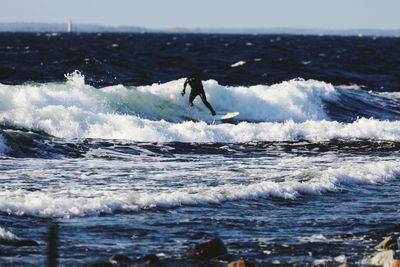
[
  {"x": 192, "y": 97},
  {"x": 203, "y": 97}
]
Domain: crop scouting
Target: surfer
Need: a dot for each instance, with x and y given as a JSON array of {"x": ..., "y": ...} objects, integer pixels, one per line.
[{"x": 197, "y": 89}]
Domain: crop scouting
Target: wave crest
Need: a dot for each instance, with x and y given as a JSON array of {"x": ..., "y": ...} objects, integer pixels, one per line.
[
  {"x": 291, "y": 110},
  {"x": 94, "y": 202}
]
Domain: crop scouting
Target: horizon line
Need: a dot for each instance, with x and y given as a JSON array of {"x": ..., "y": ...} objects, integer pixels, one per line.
[{"x": 87, "y": 27}]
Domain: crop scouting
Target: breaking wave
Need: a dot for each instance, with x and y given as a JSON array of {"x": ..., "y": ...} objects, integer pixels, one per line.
[
  {"x": 94, "y": 202},
  {"x": 292, "y": 110}
]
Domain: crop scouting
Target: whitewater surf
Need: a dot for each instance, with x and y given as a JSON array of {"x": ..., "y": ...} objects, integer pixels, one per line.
[
  {"x": 97, "y": 142},
  {"x": 292, "y": 110}
]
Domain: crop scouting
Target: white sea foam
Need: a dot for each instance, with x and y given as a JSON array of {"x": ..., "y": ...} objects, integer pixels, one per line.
[
  {"x": 87, "y": 201},
  {"x": 390, "y": 95},
  {"x": 290, "y": 110},
  {"x": 47, "y": 204},
  {"x": 351, "y": 87},
  {"x": 316, "y": 238},
  {"x": 238, "y": 64},
  {"x": 7, "y": 235}
]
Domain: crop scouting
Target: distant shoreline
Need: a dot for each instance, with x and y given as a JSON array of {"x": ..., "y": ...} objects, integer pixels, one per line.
[{"x": 93, "y": 28}]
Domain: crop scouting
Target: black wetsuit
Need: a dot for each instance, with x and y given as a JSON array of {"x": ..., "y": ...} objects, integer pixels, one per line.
[{"x": 197, "y": 89}]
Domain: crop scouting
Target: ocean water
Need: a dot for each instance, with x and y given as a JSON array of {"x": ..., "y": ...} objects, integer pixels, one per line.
[{"x": 96, "y": 139}]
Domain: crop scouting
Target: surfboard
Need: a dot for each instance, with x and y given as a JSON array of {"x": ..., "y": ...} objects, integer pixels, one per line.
[{"x": 221, "y": 115}]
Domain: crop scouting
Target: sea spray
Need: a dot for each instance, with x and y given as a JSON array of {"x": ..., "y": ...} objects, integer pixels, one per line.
[
  {"x": 95, "y": 201},
  {"x": 292, "y": 110},
  {"x": 307, "y": 174}
]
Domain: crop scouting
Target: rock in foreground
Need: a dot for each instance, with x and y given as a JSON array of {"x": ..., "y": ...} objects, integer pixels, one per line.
[
  {"x": 240, "y": 263},
  {"x": 207, "y": 250},
  {"x": 388, "y": 243}
]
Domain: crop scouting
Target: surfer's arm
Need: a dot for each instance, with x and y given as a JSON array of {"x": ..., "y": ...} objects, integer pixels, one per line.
[{"x": 184, "y": 87}]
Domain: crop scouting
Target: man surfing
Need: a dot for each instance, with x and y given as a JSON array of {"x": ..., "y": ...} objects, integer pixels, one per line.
[{"x": 197, "y": 89}]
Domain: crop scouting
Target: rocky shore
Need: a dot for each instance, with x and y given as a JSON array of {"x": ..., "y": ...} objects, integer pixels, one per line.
[
  {"x": 386, "y": 254},
  {"x": 215, "y": 253},
  {"x": 209, "y": 253}
]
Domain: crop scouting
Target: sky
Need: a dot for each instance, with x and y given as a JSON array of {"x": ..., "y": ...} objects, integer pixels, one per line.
[{"x": 242, "y": 14}]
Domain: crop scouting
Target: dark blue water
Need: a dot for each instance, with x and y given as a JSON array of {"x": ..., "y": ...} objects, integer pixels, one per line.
[
  {"x": 97, "y": 141},
  {"x": 141, "y": 59}
]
